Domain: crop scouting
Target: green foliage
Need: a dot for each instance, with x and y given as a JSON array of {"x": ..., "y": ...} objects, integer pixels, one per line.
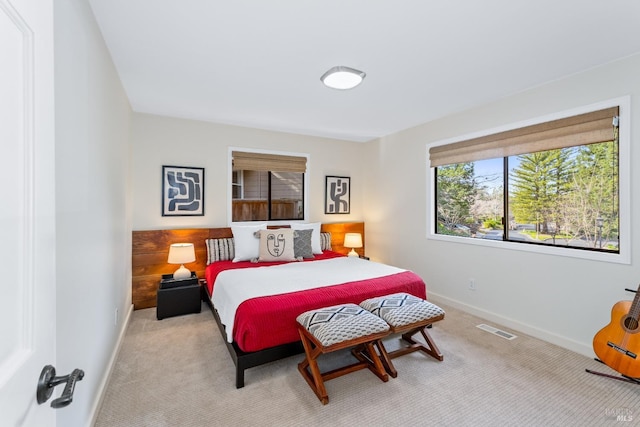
[
  {"x": 542, "y": 237},
  {"x": 596, "y": 195},
  {"x": 564, "y": 191},
  {"x": 456, "y": 191},
  {"x": 539, "y": 186},
  {"x": 493, "y": 224}
]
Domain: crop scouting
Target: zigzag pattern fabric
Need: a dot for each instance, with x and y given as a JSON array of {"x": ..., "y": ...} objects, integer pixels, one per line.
[
  {"x": 339, "y": 323},
  {"x": 401, "y": 309}
]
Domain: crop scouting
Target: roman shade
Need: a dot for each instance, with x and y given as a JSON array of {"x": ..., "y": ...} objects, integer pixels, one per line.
[
  {"x": 588, "y": 128},
  {"x": 268, "y": 162}
]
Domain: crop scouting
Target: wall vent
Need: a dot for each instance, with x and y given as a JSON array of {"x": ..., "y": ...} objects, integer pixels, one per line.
[{"x": 495, "y": 331}]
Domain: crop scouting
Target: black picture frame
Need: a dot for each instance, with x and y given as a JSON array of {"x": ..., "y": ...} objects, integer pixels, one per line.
[
  {"x": 182, "y": 191},
  {"x": 337, "y": 195}
]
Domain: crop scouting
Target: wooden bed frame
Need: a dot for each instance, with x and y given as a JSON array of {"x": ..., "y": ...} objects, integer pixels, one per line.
[{"x": 149, "y": 255}]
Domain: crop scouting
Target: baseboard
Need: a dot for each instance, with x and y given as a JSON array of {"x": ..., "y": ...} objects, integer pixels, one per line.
[
  {"x": 112, "y": 361},
  {"x": 564, "y": 342}
]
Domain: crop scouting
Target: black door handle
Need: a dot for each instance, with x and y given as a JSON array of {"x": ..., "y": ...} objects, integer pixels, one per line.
[{"x": 48, "y": 381}]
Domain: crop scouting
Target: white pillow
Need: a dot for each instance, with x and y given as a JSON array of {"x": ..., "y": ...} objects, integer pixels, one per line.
[
  {"x": 315, "y": 235},
  {"x": 247, "y": 245}
]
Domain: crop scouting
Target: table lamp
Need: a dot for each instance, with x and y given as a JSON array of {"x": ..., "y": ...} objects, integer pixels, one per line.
[
  {"x": 181, "y": 253},
  {"x": 353, "y": 240}
]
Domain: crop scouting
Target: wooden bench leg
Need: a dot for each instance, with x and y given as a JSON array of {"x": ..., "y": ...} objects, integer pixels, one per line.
[
  {"x": 314, "y": 378},
  {"x": 364, "y": 354},
  {"x": 386, "y": 360},
  {"x": 377, "y": 366},
  {"x": 431, "y": 350}
]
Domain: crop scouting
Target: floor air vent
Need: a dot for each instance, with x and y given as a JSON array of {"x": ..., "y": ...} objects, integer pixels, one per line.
[{"x": 498, "y": 332}]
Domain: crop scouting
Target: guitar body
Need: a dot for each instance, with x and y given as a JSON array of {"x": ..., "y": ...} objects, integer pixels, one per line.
[{"x": 618, "y": 344}]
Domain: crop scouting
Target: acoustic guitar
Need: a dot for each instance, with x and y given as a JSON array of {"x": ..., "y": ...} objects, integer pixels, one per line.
[{"x": 617, "y": 345}]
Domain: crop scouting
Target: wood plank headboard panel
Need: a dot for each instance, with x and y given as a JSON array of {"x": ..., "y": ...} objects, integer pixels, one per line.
[{"x": 150, "y": 249}]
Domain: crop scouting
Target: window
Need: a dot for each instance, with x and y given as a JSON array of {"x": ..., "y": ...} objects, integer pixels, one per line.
[
  {"x": 267, "y": 186},
  {"x": 237, "y": 187},
  {"x": 562, "y": 181}
]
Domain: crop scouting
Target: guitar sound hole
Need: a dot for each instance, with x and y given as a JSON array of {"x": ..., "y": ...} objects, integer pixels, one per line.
[{"x": 631, "y": 324}]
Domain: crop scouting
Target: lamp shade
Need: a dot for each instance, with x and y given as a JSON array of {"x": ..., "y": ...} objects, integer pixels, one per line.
[
  {"x": 352, "y": 240},
  {"x": 181, "y": 253}
]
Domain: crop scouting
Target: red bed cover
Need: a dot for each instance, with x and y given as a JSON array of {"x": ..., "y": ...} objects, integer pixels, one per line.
[{"x": 270, "y": 321}]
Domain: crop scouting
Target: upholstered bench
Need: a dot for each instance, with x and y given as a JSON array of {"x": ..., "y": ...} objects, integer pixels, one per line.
[
  {"x": 408, "y": 315},
  {"x": 334, "y": 328}
]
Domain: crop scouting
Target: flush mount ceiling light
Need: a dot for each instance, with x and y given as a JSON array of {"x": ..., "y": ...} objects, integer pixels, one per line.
[{"x": 342, "y": 77}]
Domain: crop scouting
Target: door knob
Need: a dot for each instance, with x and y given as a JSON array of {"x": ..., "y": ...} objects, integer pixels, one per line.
[{"x": 48, "y": 381}]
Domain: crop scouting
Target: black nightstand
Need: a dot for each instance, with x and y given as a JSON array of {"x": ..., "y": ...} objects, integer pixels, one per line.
[{"x": 177, "y": 297}]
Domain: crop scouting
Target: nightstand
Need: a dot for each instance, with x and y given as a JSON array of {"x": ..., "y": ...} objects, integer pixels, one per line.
[{"x": 178, "y": 297}]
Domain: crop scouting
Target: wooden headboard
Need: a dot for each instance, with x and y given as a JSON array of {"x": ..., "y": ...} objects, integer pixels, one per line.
[{"x": 151, "y": 248}]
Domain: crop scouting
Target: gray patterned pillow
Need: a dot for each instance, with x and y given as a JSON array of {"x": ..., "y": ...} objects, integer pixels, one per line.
[
  {"x": 220, "y": 249},
  {"x": 302, "y": 243},
  {"x": 325, "y": 241}
]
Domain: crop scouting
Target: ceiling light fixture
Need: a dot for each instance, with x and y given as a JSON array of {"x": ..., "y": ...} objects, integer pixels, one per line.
[{"x": 341, "y": 77}]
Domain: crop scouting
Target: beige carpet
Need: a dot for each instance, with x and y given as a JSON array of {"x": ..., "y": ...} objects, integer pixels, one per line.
[{"x": 177, "y": 372}]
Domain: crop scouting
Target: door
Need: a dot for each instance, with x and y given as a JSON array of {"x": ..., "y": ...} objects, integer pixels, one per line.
[{"x": 27, "y": 209}]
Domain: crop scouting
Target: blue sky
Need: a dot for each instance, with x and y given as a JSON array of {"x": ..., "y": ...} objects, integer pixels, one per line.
[{"x": 493, "y": 167}]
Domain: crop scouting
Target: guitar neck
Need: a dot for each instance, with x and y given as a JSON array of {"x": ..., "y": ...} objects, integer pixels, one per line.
[{"x": 634, "y": 311}]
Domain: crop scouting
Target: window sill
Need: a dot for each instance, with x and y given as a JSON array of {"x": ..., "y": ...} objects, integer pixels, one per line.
[{"x": 546, "y": 250}]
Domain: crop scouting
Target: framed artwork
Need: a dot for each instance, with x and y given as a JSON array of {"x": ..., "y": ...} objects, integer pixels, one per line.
[
  {"x": 337, "y": 195},
  {"x": 182, "y": 191}
]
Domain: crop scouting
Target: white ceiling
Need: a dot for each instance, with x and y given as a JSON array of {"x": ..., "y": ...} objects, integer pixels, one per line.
[{"x": 258, "y": 63}]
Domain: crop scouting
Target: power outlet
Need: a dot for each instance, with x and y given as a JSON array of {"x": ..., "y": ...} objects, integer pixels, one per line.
[
  {"x": 115, "y": 320},
  {"x": 472, "y": 284}
]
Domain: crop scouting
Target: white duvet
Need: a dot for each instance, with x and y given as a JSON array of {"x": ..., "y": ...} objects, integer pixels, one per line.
[{"x": 233, "y": 287}]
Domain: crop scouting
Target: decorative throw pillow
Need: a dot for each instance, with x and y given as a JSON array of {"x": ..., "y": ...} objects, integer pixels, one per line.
[
  {"x": 220, "y": 249},
  {"x": 302, "y": 243},
  {"x": 315, "y": 236},
  {"x": 276, "y": 245},
  {"x": 247, "y": 246},
  {"x": 325, "y": 241}
]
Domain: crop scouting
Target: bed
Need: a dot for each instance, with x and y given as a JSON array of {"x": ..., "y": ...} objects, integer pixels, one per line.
[{"x": 260, "y": 327}]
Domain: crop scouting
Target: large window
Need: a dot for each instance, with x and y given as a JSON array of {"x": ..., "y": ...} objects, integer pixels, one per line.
[
  {"x": 267, "y": 187},
  {"x": 555, "y": 184}
]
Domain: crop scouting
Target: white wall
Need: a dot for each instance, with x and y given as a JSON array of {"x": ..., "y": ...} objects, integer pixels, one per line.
[
  {"x": 564, "y": 300},
  {"x": 159, "y": 141},
  {"x": 93, "y": 205}
]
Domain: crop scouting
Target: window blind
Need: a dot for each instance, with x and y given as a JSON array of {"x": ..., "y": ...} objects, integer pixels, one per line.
[
  {"x": 268, "y": 162},
  {"x": 588, "y": 128}
]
